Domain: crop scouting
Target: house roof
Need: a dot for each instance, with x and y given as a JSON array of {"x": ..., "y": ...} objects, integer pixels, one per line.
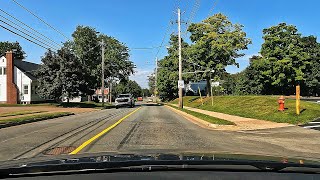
[{"x": 27, "y": 67}]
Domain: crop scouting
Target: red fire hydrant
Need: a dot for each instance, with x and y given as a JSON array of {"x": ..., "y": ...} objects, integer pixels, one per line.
[{"x": 281, "y": 103}]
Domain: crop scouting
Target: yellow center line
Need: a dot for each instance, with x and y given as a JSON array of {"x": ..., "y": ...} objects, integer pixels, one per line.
[{"x": 83, "y": 145}]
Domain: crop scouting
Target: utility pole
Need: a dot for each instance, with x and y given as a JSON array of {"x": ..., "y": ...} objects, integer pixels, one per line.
[
  {"x": 155, "y": 79},
  {"x": 110, "y": 91},
  {"x": 180, "y": 59},
  {"x": 102, "y": 74}
]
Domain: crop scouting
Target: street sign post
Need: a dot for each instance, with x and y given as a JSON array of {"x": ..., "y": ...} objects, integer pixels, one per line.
[
  {"x": 181, "y": 84},
  {"x": 215, "y": 84}
]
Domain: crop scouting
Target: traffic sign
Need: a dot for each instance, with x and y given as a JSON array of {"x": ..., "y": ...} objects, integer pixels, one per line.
[
  {"x": 215, "y": 84},
  {"x": 181, "y": 84}
]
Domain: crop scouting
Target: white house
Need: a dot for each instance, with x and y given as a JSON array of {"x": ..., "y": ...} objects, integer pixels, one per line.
[{"x": 17, "y": 82}]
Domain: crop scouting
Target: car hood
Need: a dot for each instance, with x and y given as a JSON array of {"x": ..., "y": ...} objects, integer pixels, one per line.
[{"x": 123, "y": 157}]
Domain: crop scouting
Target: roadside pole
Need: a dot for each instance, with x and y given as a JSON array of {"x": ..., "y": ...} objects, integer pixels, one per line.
[
  {"x": 110, "y": 91},
  {"x": 211, "y": 90},
  {"x": 102, "y": 74},
  {"x": 298, "y": 99},
  {"x": 155, "y": 82},
  {"x": 180, "y": 60}
]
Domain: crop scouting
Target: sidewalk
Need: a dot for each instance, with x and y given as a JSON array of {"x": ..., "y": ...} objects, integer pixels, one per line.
[{"x": 242, "y": 123}]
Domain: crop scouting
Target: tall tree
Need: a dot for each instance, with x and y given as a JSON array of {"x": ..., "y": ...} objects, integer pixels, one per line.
[
  {"x": 129, "y": 86},
  {"x": 9, "y": 46},
  {"x": 167, "y": 77},
  {"x": 86, "y": 46},
  {"x": 49, "y": 77},
  {"x": 282, "y": 47},
  {"x": 60, "y": 75},
  {"x": 117, "y": 63},
  {"x": 216, "y": 44}
]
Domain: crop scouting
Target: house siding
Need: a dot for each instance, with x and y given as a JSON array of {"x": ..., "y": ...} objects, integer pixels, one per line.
[{"x": 3, "y": 81}]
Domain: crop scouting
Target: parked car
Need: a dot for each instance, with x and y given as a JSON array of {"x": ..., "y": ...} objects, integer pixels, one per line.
[{"x": 124, "y": 100}]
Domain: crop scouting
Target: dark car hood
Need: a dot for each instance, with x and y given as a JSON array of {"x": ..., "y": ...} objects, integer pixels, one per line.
[{"x": 123, "y": 157}]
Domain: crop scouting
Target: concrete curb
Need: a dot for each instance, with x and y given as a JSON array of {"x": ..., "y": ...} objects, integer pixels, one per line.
[{"x": 202, "y": 123}]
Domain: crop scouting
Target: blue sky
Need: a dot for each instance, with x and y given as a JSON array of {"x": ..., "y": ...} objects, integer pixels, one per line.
[{"x": 143, "y": 23}]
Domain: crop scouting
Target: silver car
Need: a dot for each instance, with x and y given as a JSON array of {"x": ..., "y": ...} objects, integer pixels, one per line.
[{"x": 124, "y": 100}]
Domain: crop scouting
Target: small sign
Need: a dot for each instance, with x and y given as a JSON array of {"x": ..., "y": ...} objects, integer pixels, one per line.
[
  {"x": 181, "y": 84},
  {"x": 215, "y": 84}
]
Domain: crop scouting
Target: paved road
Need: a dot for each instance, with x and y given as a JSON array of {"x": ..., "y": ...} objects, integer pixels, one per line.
[{"x": 151, "y": 129}]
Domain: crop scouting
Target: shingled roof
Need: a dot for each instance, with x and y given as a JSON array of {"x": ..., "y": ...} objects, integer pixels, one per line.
[{"x": 27, "y": 67}]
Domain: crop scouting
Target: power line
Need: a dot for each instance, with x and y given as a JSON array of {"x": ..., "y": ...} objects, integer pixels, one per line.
[
  {"x": 29, "y": 27},
  {"x": 40, "y": 19},
  {"x": 26, "y": 34},
  {"x": 29, "y": 32},
  {"x": 22, "y": 36}
]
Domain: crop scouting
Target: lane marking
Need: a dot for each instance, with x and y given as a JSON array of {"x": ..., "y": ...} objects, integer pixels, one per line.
[{"x": 83, "y": 145}]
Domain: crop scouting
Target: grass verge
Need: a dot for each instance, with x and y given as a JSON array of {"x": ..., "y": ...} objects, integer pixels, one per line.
[
  {"x": 32, "y": 118},
  {"x": 17, "y": 113},
  {"x": 205, "y": 117},
  {"x": 258, "y": 107}
]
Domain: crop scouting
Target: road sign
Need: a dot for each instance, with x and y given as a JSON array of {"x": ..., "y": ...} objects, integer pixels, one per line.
[
  {"x": 215, "y": 84},
  {"x": 181, "y": 84}
]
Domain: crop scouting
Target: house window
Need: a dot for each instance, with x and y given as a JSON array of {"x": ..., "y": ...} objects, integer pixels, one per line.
[
  {"x": 4, "y": 71},
  {"x": 25, "y": 89},
  {"x": 1, "y": 71}
]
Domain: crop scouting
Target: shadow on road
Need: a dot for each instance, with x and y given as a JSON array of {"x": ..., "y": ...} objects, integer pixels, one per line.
[{"x": 152, "y": 104}]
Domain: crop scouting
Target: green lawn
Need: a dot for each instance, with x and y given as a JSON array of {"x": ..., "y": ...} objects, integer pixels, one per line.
[
  {"x": 259, "y": 107},
  {"x": 19, "y": 113},
  {"x": 205, "y": 117},
  {"x": 36, "y": 117}
]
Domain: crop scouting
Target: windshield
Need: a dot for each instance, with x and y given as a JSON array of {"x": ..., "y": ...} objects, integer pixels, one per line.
[{"x": 80, "y": 78}]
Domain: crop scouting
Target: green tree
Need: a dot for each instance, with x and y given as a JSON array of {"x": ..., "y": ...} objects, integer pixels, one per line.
[
  {"x": 117, "y": 63},
  {"x": 86, "y": 47},
  {"x": 151, "y": 83},
  {"x": 167, "y": 78},
  {"x": 9, "y": 46},
  {"x": 60, "y": 75},
  {"x": 49, "y": 77},
  {"x": 216, "y": 44},
  {"x": 124, "y": 87},
  {"x": 146, "y": 92},
  {"x": 282, "y": 47}
]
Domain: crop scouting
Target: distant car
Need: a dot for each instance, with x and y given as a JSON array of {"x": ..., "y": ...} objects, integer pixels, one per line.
[
  {"x": 140, "y": 98},
  {"x": 150, "y": 100},
  {"x": 124, "y": 100}
]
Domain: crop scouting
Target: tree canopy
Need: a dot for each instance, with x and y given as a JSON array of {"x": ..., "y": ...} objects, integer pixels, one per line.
[
  {"x": 217, "y": 42},
  {"x": 9, "y": 46}
]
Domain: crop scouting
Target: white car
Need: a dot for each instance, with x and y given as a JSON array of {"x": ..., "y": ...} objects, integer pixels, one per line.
[{"x": 124, "y": 100}]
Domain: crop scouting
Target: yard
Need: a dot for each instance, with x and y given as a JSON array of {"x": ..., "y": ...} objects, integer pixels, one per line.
[{"x": 259, "y": 107}]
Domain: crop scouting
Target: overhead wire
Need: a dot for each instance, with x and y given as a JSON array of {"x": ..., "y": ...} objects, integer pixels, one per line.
[
  {"x": 28, "y": 31},
  {"x": 8, "y": 24},
  {"x": 22, "y": 36},
  {"x": 16, "y": 19},
  {"x": 23, "y": 7}
]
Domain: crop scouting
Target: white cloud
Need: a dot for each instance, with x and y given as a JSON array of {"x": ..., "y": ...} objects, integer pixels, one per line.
[{"x": 141, "y": 77}]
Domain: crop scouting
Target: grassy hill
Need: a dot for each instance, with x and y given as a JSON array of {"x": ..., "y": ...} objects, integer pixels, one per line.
[{"x": 259, "y": 107}]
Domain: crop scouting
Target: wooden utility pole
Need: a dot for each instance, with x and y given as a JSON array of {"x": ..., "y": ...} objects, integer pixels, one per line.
[
  {"x": 102, "y": 70},
  {"x": 180, "y": 60},
  {"x": 298, "y": 99}
]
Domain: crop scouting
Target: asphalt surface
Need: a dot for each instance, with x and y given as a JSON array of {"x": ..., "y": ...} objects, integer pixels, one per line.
[{"x": 151, "y": 129}]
